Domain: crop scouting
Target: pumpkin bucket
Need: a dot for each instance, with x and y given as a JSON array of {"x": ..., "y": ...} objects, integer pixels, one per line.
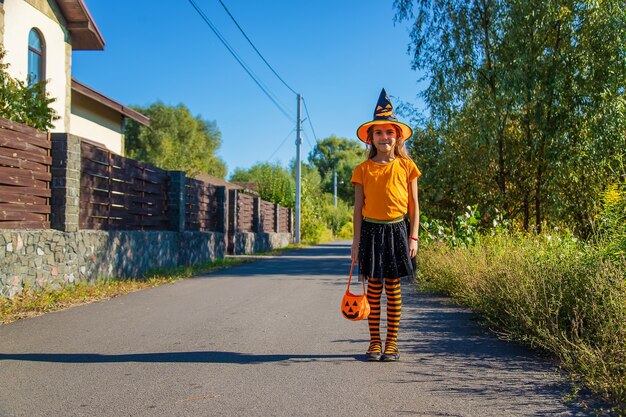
[{"x": 355, "y": 307}]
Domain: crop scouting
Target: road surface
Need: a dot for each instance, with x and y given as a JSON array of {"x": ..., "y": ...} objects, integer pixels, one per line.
[{"x": 266, "y": 339}]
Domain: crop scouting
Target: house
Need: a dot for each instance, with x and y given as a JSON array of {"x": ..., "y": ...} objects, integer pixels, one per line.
[{"x": 39, "y": 37}]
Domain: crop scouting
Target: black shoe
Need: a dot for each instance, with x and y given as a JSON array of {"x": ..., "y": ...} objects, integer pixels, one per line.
[
  {"x": 374, "y": 353},
  {"x": 390, "y": 357},
  {"x": 391, "y": 353}
]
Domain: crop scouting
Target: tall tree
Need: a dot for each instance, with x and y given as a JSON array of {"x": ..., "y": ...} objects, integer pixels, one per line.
[
  {"x": 176, "y": 140},
  {"x": 274, "y": 183},
  {"x": 521, "y": 95},
  {"x": 339, "y": 155}
]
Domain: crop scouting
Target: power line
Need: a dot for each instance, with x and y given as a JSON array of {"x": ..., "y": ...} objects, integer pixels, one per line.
[
  {"x": 240, "y": 61},
  {"x": 307, "y": 139},
  {"x": 308, "y": 116},
  {"x": 281, "y": 144},
  {"x": 254, "y": 47}
]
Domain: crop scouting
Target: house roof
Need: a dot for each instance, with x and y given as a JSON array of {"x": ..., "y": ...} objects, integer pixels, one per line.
[
  {"x": 232, "y": 185},
  {"x": 89, "y": 92},
  {"x": 82, "y": 27},
  {"x": 217, "y": 181}
]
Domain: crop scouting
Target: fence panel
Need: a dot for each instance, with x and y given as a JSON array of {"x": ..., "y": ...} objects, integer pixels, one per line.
[
  {"x": 283, "y": 220},
  {"x": 24, "y": 177},
  {"x": 267, "y": 216},
  {"x": 245, "y": 213},
  {"x": 200, "y": 206},
  {"x": 118, "y": 193}
]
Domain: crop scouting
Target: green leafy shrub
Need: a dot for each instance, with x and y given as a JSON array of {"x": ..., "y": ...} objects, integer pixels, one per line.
[
  {"x": 29, "y": 105},
  {"x": 611, "y": 222},
  {"x": 551, "y": 291},
  {"x": 346, "y": 231}
]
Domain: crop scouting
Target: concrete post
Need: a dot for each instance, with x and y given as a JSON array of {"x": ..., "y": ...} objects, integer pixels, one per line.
[
  {"x": 65, "y": 186},
  {"x": 257, "y": 217},
  {"x": 222, "y": 209},
  {"x": 233, "y": 226},
  {"x": 176, "y": 201}
]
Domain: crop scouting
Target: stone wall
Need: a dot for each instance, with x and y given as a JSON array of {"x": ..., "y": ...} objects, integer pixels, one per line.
[
  {"x": 52, "y": 259},
  {"x": 249, "y": 243}
]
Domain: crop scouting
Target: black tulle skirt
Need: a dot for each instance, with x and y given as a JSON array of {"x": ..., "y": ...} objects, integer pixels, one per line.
[{"x": 384, "y": 250}]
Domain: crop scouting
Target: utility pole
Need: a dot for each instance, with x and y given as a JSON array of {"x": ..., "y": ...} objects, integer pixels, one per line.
[{"x": 298, "y": 171}]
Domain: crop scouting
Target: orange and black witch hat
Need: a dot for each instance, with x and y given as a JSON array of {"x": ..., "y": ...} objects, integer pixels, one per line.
[{"x": 383, "y": 114}]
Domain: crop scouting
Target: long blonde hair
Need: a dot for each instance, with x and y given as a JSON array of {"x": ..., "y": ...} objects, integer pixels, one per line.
[{"x": 399, "y": 150}]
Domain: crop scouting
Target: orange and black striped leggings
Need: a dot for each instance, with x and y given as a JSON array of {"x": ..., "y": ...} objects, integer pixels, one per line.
[{"x": 394, "y": 310}]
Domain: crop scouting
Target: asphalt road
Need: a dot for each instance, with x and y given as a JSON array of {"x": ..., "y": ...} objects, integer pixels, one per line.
[{"x": 266, "y": 339}]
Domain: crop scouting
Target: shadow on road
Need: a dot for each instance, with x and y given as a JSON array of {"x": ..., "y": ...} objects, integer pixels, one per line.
[{"x": 172, "y": 357}]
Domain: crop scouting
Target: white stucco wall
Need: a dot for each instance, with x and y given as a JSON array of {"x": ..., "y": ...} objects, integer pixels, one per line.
[
  {"x": 19, "y": 19},
  {"x": 91, "y": 120}
]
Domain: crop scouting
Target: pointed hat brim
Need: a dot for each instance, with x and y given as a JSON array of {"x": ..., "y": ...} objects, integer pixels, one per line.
[{"x": 361, "y": 132}]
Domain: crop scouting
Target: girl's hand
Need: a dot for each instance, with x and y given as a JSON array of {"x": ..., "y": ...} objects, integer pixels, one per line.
[
  {"x": 413, "y": 246},
  {"x": 355, "y": 252}
]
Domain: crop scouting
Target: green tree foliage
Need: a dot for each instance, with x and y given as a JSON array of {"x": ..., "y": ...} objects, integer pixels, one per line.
[
  {"x": 526, "y": 103},
  {"x": 320, "y": 220},
  {"x": 340, "y": 155},
  {"x": 24, "y": 104},
  {"x": 175, "y": 140},
  {"x": 274, "y": 183}
]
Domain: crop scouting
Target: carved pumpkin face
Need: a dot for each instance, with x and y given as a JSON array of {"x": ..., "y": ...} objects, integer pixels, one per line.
[
  {"x": 355, "y": 307},
  {"x": 383, "y": 111},
  {"x": 350, "y": 309}
]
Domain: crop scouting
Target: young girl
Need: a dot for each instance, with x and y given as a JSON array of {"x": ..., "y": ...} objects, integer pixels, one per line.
[{"x": 384, "y": 241}]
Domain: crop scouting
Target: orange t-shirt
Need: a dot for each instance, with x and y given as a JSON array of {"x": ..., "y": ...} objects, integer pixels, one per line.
[{"x": 385, "y": 187}]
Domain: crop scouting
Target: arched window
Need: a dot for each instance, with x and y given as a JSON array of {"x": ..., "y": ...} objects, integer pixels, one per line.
[{"x": 36, "y": 58}]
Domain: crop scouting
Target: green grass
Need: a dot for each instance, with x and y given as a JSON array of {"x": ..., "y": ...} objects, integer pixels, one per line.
[
  {"x": 549, "y": 292},
  {"x": 31, "y": 303}
]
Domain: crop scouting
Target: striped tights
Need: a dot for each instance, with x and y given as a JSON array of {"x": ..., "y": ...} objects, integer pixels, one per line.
[{"x": 394, "y": 311}]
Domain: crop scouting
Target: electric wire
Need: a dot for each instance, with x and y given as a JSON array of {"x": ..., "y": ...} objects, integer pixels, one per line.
[
  {"x": 307, "y": 139},
  {"x": 255, "y": 49},
  {"x": 281, "y": 144},
  {"x": 308, "y": 116},
  {"x": 254, "y": 77},
  {"x": 240, "y": 61}
]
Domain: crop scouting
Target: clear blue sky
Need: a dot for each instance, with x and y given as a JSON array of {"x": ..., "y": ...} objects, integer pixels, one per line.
[{"x": 338, "y": 54}]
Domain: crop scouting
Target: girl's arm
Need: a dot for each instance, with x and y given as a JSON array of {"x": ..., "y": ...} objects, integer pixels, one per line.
[
  {"x": 414, "y": 215},
  {"x": 357, "y": 219}
]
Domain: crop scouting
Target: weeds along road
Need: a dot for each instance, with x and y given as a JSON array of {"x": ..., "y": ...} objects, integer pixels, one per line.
[{"x": 265, "y": 339}]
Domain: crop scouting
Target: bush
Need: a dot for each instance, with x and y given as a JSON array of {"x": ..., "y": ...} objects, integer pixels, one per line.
[
  {"x": 29, "y": 105},
  {"x": 549, "y": 291},
  {"x": 346, "y": 231}
]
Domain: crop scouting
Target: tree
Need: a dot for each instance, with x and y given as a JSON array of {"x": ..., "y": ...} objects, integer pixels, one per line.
[
  {"x": 274, "y": 183},
  {"x": 339, "y": 155},
  {"x": 526, "y": 102},
  {"x": 175, "y": 140},
  {"x": 24, "y": 104}
]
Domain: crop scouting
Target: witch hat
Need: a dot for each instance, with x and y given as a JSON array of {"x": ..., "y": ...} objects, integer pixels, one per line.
[{"x": 383, "y": 114}]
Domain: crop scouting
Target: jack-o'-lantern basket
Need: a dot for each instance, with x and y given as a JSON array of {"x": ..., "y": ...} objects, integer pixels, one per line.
[{"x": 355, "y": 307}]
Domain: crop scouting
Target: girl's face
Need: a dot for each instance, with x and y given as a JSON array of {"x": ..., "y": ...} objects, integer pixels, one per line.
[{"x": 384, "y": 137}]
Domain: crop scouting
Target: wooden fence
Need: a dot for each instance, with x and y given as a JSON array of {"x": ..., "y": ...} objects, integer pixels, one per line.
[
  {"x": 200, "y": 206},
  {"x": 118, "y": 193},
  {"x": 284, "y": 219},
  {"x": 245, "y": 213},
  {"x": 24, "y": 177}
]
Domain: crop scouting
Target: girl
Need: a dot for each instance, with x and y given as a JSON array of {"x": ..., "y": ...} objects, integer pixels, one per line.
[{"x": 384, "y": 242}]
